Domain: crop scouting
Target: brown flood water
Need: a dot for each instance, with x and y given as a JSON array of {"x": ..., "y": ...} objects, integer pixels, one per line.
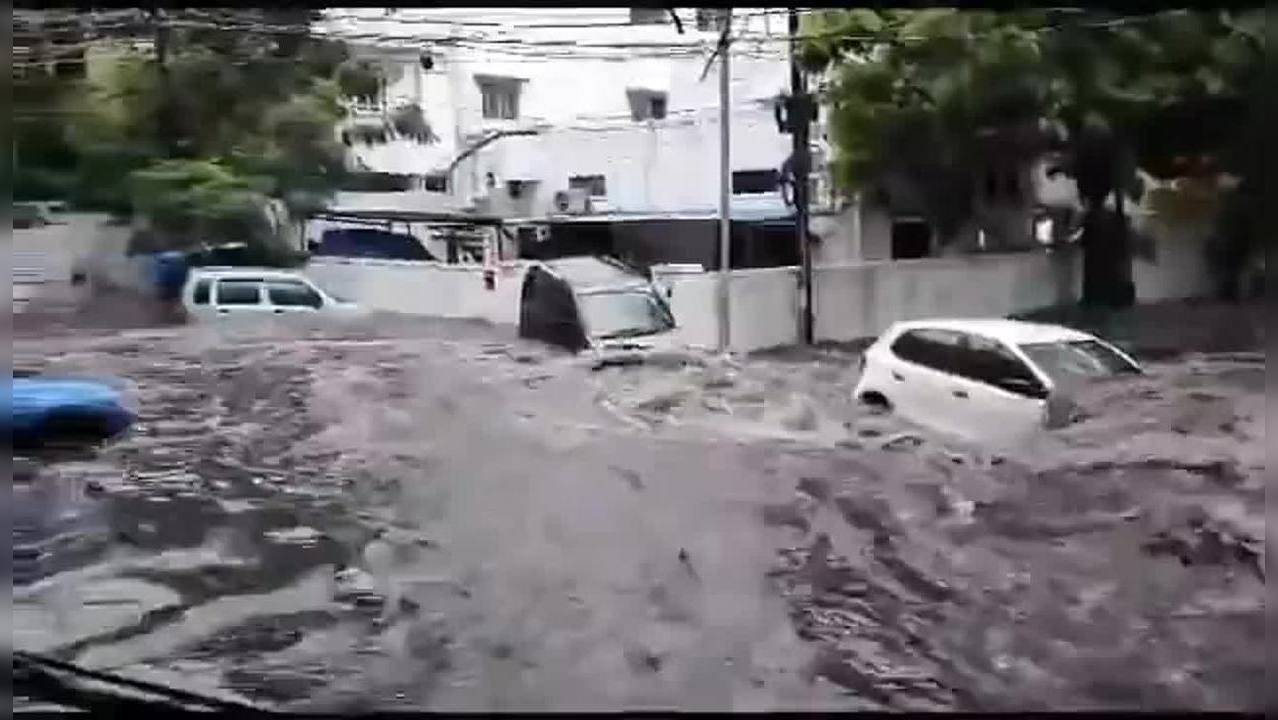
[{"x": 433, "y": 515}]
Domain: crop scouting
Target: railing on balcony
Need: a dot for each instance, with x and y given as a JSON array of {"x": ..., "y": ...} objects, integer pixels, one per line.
[{"x": 363, "y": 107}]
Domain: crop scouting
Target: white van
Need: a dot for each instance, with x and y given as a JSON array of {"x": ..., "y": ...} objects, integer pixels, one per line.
[{"x": 244, "y": 291}]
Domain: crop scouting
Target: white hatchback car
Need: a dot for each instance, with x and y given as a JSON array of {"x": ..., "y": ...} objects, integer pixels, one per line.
[
  {"x": 981, "y": 379},
  {"x": 245, "y": 291}
]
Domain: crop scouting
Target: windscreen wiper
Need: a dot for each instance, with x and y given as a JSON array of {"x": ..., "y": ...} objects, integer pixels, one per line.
[
  {"x": 628, "y": 333},
  {"x": 63, "y": 683}
]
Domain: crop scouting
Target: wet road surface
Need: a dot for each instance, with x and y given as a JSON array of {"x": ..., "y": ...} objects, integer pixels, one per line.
[{"x": 432, "y": 515}]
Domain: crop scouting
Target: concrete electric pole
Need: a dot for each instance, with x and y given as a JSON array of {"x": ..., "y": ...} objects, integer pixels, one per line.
[
  {"x": 725, "y": 182},
  {"x": 725, "y": 174},
  {"x": 799, "y": 117}
]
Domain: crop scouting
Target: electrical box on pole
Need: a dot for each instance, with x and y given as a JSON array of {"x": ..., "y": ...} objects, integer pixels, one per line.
[{"x": 791, "y": 111}]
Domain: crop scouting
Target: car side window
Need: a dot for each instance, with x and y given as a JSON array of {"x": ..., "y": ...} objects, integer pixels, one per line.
[
  {"x": 988, "y": 361},
  {"x": 200, "y": 295},
  {"x": 238, "y": 292},
  {"x": 291, "y": 293},
  {"x": 935, "y": 349}
]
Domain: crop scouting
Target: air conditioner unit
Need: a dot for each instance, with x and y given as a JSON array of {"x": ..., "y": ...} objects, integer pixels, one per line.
[{"x": 573, "y": 201}]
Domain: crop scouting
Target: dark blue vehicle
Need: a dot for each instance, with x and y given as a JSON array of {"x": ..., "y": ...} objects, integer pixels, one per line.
[
  {"x": 371, "y": 243},
  {"x": 41, "y": 411}
]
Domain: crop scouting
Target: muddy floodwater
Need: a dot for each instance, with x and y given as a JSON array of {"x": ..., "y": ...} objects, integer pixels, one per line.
[{"x": 428, "y": 515}]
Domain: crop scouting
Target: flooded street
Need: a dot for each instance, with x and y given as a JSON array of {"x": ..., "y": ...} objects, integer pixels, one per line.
[{"x": 433, "y": 515}]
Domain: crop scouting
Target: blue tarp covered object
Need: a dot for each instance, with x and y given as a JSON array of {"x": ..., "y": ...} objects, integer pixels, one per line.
[
  {"x": 37, "y": 410},
  {"x": 170, "y": 270}
]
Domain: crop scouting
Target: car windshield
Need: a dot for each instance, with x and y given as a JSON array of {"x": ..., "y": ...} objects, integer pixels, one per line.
[
  {"x": 1084, "y": 359},
  {"x": 624, "y": 314}
]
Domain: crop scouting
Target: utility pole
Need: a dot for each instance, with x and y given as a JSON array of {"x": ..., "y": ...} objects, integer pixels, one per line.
[
  {"x": 165, "y": 121},
  {"x": 725, "y": 184},
  {"x": 799, "y": 117}
]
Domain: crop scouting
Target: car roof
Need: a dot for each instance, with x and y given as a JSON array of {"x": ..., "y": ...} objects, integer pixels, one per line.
[
  {"x": 1014, "y": 332},
  {"x": 253, "y": 272},
  {"x": 593, "y": 272}
]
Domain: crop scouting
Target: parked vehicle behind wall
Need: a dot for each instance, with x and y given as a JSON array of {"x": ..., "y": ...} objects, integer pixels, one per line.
[{"x": 212, "y": 293}]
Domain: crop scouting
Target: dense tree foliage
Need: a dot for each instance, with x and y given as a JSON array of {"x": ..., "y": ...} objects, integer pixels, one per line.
[
  {"x": 193, "y": 132},
  {"x": 937, "y": 94}
]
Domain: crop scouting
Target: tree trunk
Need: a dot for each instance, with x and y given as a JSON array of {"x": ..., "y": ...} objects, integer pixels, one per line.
[
  {"x": 1093, "y": 243},
  {"x": 1107, "y": 259},
  {"x": 164, "y": 112},
  {"x": 1124, "y": 288}
]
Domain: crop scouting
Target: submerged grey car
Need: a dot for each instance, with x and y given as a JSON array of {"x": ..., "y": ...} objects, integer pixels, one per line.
[{"x": 595, "y": 305}]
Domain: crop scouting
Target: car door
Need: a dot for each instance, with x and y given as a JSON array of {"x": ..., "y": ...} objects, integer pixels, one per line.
[
  {"x": 923, "y": 380},
  {"x": 293, "y": 297},
  {"x": 997, "y": 395},
  {"x": 239, "y": 297}
]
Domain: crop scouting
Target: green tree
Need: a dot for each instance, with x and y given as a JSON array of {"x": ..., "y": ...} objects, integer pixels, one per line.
[
  {"x": 44, "y": 158},
  {"x": 911, "y": 93},
  {"x": 931, "y": 93},
  {"x": 247, "y": 100}
]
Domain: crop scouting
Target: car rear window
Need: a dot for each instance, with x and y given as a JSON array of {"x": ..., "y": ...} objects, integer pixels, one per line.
[
  {"x": 936, "y": 349},
  {"x": 291, "y": 293},
  {"x": 238, "y": 292},
  {"x": 201, "y": 294}
]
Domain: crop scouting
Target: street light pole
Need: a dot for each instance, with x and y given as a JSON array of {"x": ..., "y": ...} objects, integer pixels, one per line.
[
  {"x": 725, "y": 185},
  {"x": 800, "y": 118}
]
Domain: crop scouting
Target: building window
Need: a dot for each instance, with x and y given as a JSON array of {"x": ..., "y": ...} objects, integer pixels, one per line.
[
  {"x": 70, "y": 66},
  {"x": 657, "y": 107},
  {"x": 648, "y": 15},
  {"x": 1012, "y": 186},
  {"x": 750, "y": 182},
  {"x": 1002, "y": 185},
  {"x": 377, "y": 182},
  {"x": 436, "y": 183},
  {"x": 647, "y": 104},
  {"x": 594, "y": 185},
  {"x": 500, "y": 98},
  {"x": 911, "y": 238}
]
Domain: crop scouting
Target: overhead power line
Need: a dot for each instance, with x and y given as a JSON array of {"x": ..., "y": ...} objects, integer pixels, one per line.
[
  {"x": 237, "y": 24},
  {"x": 539, "y": 50},
  {"x": 516, "y": 25}
]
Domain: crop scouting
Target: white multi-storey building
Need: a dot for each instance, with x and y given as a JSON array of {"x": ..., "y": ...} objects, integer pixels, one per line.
[{"x": 594, "y": 109}]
